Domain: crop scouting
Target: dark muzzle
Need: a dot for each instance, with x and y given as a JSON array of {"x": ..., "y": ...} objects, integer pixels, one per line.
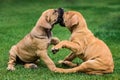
[{"x": 60, "y": 16}]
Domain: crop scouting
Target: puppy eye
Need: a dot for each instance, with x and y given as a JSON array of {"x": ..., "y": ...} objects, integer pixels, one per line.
[
  {"x": 55, "y": 20},
  {"x": 55, "y": 11}
]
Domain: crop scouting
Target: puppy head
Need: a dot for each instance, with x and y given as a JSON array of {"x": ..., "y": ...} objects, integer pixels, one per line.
[
  {"x": 70, "y": 19},
  {"x": 51, "y": 17}
]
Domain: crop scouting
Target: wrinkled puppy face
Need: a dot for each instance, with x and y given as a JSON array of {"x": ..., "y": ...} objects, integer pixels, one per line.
[
  {"x": 50, "y": 16},
  {"x": 53, "y": 16},
  {"x": 70, "y": 19}
]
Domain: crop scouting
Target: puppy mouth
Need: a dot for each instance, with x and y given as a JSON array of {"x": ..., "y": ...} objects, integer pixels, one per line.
[{"x": 60, "y": 17}]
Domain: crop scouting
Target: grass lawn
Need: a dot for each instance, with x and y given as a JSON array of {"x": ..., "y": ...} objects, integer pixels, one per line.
[{"x": 17, "y": 18}]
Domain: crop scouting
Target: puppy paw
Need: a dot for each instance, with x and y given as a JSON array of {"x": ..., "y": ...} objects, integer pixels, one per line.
[
  {"x": 54, "y": 50},
  {"x": 60, "y": 61},
  {"x": 61, "y": 70},
  {"x": 55, "y": 41},
  {"x": 58, "y": 70},
  {"x": 31, "y": 66},
  {"x": 10, "y": 68}
]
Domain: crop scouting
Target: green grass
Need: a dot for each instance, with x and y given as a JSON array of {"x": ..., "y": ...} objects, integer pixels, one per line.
[{"x": 17, "y": 18}]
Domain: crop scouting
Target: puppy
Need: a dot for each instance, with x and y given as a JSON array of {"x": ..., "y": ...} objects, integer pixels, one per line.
[
  {"x": 96, "y": 56},
  {"x": 35, "y": 44}
]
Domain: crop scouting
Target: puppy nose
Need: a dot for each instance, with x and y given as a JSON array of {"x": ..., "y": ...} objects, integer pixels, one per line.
[
  {"x": 60, "y": 16},
  {"x": 61, "y": 10}
]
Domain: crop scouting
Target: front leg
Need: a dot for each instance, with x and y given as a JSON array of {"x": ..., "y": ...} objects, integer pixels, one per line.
[
  {"x": 44, "y": 56},
  {"x": 66, "y": 44},
  {"x": 12, "y": 59}
]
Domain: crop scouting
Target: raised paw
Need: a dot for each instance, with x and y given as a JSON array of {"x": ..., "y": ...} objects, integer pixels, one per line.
[{"x": 55, "y": 49}]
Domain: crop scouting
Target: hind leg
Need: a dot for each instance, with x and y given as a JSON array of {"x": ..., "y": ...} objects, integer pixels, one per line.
[
  {"x": 70, "y": 57},
  {"x": 90, "y": 67},
  {"x": 68, "y": 60},
  {"x": 68, "y": 63},
  {"x": 12, "y": 58},
  {"x": 94, "y": 72}
]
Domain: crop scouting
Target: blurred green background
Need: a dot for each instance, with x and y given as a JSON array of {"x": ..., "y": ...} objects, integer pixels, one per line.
[{"x": 18, "y": 17}]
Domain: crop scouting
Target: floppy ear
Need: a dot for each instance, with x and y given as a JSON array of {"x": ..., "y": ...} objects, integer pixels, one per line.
[
  {"x": 44, "y": 22},
  {"x": 73, "y": 20}
]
